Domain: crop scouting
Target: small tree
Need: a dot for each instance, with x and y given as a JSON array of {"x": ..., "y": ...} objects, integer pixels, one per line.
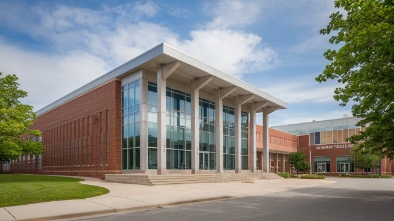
[
  {"x": 15, "y": 119},
  {"x": 364, "y": 158},
  {"x": 297, "y": 160}
]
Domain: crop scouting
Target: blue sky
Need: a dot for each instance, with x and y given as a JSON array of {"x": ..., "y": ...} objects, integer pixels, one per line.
[{"x": 54, "y": 47}]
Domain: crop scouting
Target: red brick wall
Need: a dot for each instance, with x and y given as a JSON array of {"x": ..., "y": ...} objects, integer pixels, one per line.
[
  {"x": 333, "y": 151},
  {"x": 279, "y": 140},
  {"x": 71, "y": 134},
  {"x": 387, "y": 166}
]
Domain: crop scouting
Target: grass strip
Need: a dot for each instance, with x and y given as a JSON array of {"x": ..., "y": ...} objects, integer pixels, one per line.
[{"x": 18, "y": 189}]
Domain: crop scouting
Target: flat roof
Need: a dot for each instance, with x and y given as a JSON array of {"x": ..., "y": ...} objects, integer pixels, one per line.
[
  {"x": 189, "y": 69},
  {"x": 316, "y": 126}
]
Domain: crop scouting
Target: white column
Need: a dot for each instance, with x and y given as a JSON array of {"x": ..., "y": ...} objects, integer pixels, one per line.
[
  {"x": 195, "y": 128},
  {"x": 163, "y": 72},
  {"x": 254, "y": 107},
  {"x": 239, "y": 101},
  {"x": 220, "y": 94},
  {"x": 197, "y": 84},
  {"x": 252, "y": 151},
  {"x": 219, "y": 131},
  {"x": 266, "y": 162},
  {"x": 161, "y": 122},
  {"x": 238, "y": 138},
  {"x": 144, "y": 124}
]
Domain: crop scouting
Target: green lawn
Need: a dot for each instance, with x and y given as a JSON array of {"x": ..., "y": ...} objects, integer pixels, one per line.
[{"x": 17, "y": 189}]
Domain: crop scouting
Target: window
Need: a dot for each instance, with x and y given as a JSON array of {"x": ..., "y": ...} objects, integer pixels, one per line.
[
  {"x": 152, "y": 125},
  {"x": 178, "y": 129},
  {"x": 207, "y": 128},
  {"x": 131, "y": 126},
  {"x": 228, "y": 139},
  {"x": 244, "y": 140}
]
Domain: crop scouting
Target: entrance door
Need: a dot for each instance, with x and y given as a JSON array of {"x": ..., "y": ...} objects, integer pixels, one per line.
[
  {"x": 321, "y": 167},
  {"x": 345, "y": 167},
  {"x": 204, "y": 161}
]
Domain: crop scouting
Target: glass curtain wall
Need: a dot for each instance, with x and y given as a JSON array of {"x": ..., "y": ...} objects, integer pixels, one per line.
[
  {"x": 179, "y": 136},
  {"x": 178, "y": 128},
  {"x": 333, "y": 135},
  {"x": 207, "y": 150},
  {"x": 244, "y": 140},
  {"x": 131, "y": 126},
  {"x": 152, "y": 125},
  {"x": 228, "y": 138}
]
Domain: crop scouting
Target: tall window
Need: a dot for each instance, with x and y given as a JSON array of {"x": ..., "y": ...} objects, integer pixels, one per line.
[
  {"x": 207, "y": 147},
  {"x": 228, "y": 138},
  {"x": 152, "y": 125},
  {"x": 244, "y": 140},
  {"x": 345, "y": 164},
  {"x": 178, "y": 129},
  {"x": 131, "y": 126}
]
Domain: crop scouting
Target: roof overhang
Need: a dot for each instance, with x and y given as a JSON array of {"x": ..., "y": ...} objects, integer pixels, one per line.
[{"x": 189, "y": 69}]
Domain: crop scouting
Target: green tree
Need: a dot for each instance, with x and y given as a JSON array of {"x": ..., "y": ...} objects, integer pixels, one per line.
[
  {"x": 15, "y": 119},
  {"x": 297, "y": 160},
  {"x": 364, "y": 158},
  {"x": 364, "y": 65}
]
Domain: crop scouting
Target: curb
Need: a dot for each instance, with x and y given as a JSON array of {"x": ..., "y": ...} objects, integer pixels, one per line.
[{"x": 114, "y": 211}]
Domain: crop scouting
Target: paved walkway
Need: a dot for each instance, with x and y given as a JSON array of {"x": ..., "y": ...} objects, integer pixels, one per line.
[{"x": 128, "y": 197}]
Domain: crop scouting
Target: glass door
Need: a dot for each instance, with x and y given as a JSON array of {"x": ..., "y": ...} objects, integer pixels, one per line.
[
  {"x": 204, "y": 160},
  {"x": 344, "y": 167},
  {"x": 321, "y": 167}
]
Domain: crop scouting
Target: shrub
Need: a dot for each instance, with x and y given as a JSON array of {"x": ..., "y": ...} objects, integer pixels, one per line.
[
  {"x": 313, "y": 176},
  {"x": 366, "y": 175},
  {"x": 284, "y": 174},
  {"x": 386, "y": 176}
]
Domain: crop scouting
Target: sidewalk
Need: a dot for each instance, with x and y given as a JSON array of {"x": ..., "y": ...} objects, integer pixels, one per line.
[{"x": 129, "y": 197}]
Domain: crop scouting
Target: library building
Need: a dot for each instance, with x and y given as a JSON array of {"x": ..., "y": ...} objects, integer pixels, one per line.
[
  {"x": 163, "y": 112},
  {"x": 166, "y": 113}
]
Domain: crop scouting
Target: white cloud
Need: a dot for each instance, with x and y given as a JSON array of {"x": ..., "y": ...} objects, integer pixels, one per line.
[
  {"x": 126, "y": 43},
  {"x": 178, "y": 12},
  {"x": 233, "y": 13},
  {"x": 84, "y": 44},
  {"x": 234, "y": 52},
  {"x": 296, "y": 92},
  {"x": 311, "y": 44},
  {"x": 149, "y": 8},
  {"x": 64, "y": 18},
  {"x": 47, "y": 78}
]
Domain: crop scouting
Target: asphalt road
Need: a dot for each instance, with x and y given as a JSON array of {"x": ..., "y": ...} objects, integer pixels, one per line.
[{"x": 347, "y": 199}]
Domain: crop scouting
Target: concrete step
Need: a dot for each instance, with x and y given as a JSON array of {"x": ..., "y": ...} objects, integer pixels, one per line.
[{"x": 144, "y": 179}]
